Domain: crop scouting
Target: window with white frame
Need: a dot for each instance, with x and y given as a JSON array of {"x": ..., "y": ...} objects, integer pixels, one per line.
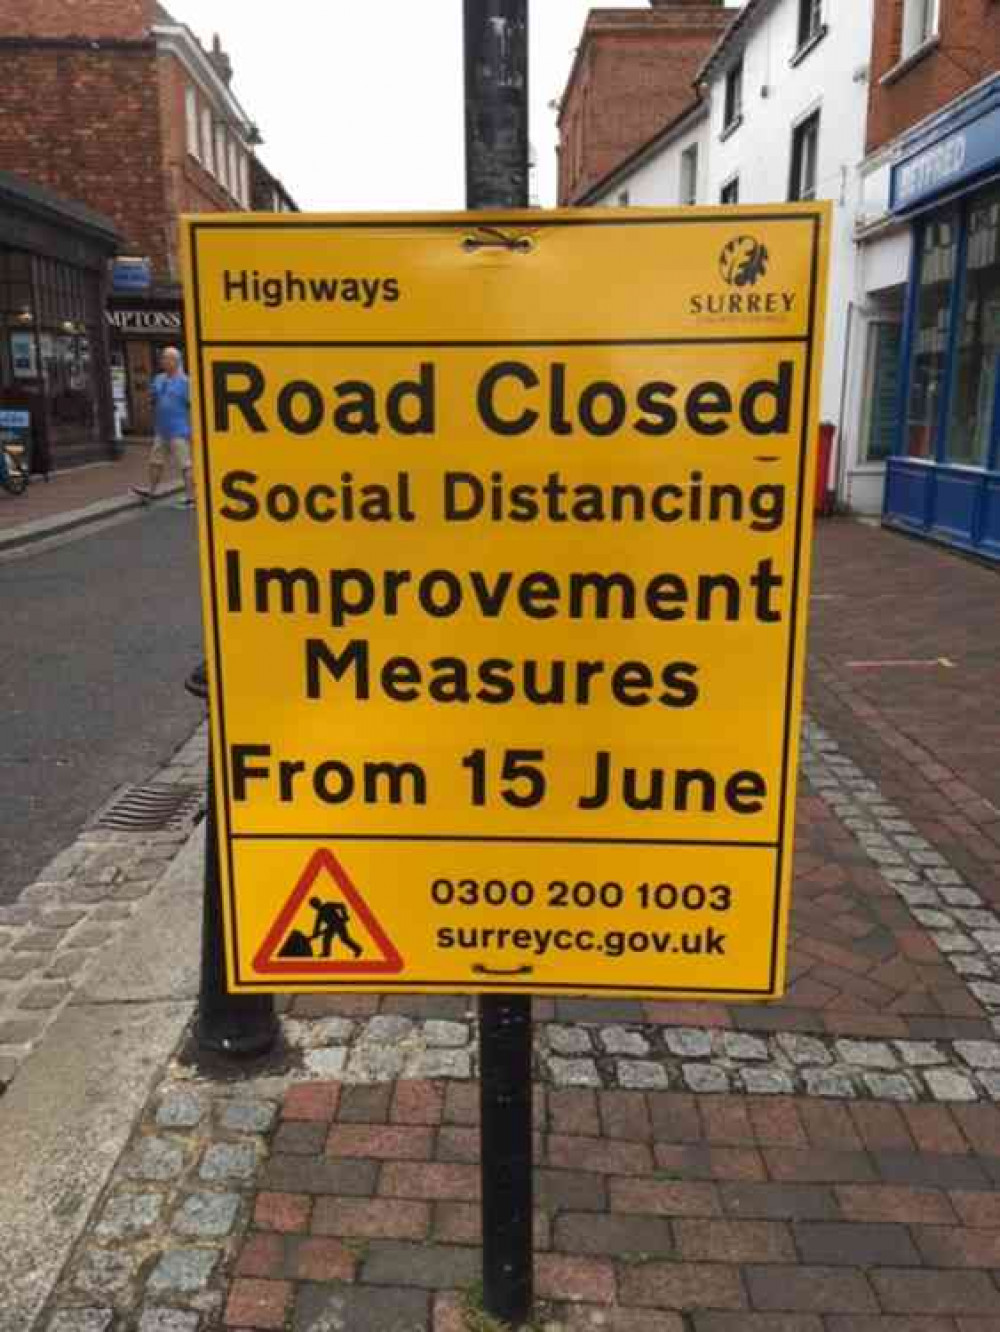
[
  {"x": 191, "y": 113},
  {"x": 732, "y": 111},
  {"x": 810, "y": 20},
  {"x": 688, "y": 193},
  {"x": 206, "y": 137},
  {"x": 805, "y": 154},
  {"x": 920, "y": 23},
  {"x": 244, "y": 180},
  {"x": 220, "y": 152},
  {"x": 234, "y": 168}
]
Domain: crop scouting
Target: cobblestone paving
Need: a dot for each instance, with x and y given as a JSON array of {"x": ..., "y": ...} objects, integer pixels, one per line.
[
  {"x": 322, "y": 1224},
  {"x": 80, "y": 902}
]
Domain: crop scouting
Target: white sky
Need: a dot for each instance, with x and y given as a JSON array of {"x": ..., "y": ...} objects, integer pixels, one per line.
[{"x": 360, "y": 101}]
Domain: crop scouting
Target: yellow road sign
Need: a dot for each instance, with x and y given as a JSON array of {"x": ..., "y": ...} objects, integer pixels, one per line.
[{"x": 505, "y": 531}]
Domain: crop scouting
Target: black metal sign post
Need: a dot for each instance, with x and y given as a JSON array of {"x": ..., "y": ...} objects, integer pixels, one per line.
[
  {"x": 496, "y": 141},
  {"x": 240, "y": 1025}
]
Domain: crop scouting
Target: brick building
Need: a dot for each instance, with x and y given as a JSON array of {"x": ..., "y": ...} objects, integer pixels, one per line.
[
  {"x": 116, "y": 104},
  {"x": 930, "y": 238},
  {"x": 634, "y": 71}
]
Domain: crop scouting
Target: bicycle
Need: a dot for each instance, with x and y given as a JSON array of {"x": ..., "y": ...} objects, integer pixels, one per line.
[{"x": 14, "y": 476}]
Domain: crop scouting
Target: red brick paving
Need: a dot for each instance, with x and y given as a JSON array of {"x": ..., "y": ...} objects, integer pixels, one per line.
[{"x": 825, "y": 1240}]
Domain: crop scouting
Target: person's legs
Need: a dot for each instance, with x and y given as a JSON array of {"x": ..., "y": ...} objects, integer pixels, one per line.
[
  {"x": 157, "y": 459},
  {"x": 182, "y": 452}
]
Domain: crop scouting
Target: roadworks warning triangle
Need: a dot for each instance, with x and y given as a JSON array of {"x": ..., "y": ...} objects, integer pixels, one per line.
[{"x": 326, "y": 929}]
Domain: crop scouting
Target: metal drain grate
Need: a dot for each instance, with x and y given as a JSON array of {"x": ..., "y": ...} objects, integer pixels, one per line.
[{"x": 152, "y": 808}]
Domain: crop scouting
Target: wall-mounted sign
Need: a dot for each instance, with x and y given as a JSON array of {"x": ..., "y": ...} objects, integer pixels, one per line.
[
  {"x": 24, "y": 354},
  {"x": 956, "y": 157},
  {"x": 131, "y": 275},
  {"x": 145, "y": 321}
]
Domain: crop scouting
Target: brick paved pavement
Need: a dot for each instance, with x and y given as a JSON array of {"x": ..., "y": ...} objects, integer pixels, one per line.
[
  {"x": 338, "y": 1192},
  {"x": 930, "y": 734},
  {"x": 78, "y": 488}
]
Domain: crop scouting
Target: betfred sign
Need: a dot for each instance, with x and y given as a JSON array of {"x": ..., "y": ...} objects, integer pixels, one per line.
[{"x": 505, "y": 582}]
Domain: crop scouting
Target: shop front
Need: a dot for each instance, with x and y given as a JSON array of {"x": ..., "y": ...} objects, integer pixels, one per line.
[
  {"x": 142, "y": 321},
  {"x": 54, "y": 257},
  {"x": 943, "y": 479}
]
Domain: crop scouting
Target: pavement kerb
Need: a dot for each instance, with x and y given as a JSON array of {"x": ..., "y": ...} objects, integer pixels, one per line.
[
  {"x": 27, "y": 534},
  {"x": 70, "y": 1111}
]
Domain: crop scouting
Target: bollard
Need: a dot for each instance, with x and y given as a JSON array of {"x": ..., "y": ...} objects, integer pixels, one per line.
[{"x": 239, "y": 1025}]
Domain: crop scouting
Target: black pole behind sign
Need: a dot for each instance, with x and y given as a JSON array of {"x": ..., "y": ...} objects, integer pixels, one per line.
[
  {"x": 496, "y": 169},
  {"x": 242, "y": 1025}
]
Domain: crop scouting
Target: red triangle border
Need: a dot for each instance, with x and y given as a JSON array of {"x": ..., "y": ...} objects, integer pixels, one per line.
[{"x": 267, "y": 964}]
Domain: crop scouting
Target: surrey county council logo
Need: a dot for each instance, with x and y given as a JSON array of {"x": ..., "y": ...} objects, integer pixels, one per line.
[{"x": 743, "y": 262}]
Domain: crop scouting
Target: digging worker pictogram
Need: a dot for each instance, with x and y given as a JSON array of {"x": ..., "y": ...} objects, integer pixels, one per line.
[{"x": 331, "y": 923}]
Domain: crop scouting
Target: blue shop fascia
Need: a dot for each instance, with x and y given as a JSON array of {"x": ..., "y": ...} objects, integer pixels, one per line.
[{"x": 943, "y": 478}]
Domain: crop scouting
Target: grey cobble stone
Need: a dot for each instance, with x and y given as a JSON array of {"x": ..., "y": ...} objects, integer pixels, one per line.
[
  {"x": 386, "y": 1029},
  {"x": 567, "y": 1040},
  {"x": 766, "y": 1082},
  {"x": 971, "y": 964},
  {"x": 641, "y": 1075},
  {"x": 129, "y": 1214},
  {"x": 156, "y": 1159},
  {"x": 979, "y": 1054},
  {"x": 958, "y": 896},
  {"x": 443, "y": 1064},
  {"x": 803, "y": 1050},
  {"x": 574, "y": 1072},
  {"x": 368, "y": 1063},
  {"x": 248, "y": 1116},
  {"x": 867, "y": 1054},
  {"x": 105, "y": 1272},
  {"x": 825, "y": 1082},
  {"x": 180, "y": 1108},
  {"x": 207, "y": 1215},
  {"x": 333, "y": 1031},
  {"x": 42, "y": 998},
  {"x": 947, "y": 1085},
  {"x": 889, "y": 1086},
  {"x": 934, "y": 920},
  {"x": 183, "y": 1270},
  {"x": 621, "y": 1041},
  {"x": 81, "y": 1320},
  {"x": 688, "y": 1042},
  {"x": 329, "y": 1063},
  {"x": 705, "y": 1078},
  {"x": 168, "y": 1320},
  {"x": 447, "y": 1034},
  {"x": 988, "y": 940},
  {"x": 741, "y": 1045},
  {"x": 988, "y": 992},
  {"x": 991, "y": 1083},
  {"x": 225, "y": 1161},
  {"x": 918, "y": 1054}
]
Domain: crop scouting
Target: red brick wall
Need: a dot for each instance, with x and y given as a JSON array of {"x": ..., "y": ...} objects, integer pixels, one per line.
[
  {"x": 969, "y": 51},
  {"x": 188, "y": 187},
  {"x": 124, "y": 19},
  {"x": 86, "y": 123},
  {"x": 635, "y": 72}
]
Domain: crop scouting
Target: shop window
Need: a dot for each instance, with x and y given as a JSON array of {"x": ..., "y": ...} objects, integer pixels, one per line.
[
  {"x": 191, "y": 113},
  {"x": 234, "y": 169},
  {"x": 805, "y": 155},
  {"x": 730, "y": 192},
  {"x": 881, "y": 390},
  {"x": 929, "y": 358},
  {"x": 970, "y": 423},
  {"x": 920, "y": 24},
  {"x": 689, "y": 175},
  {"x": 732, "y": 112}
]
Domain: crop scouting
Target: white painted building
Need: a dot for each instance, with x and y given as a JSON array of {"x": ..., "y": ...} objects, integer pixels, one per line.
[{"x": 779, "y": 113}]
